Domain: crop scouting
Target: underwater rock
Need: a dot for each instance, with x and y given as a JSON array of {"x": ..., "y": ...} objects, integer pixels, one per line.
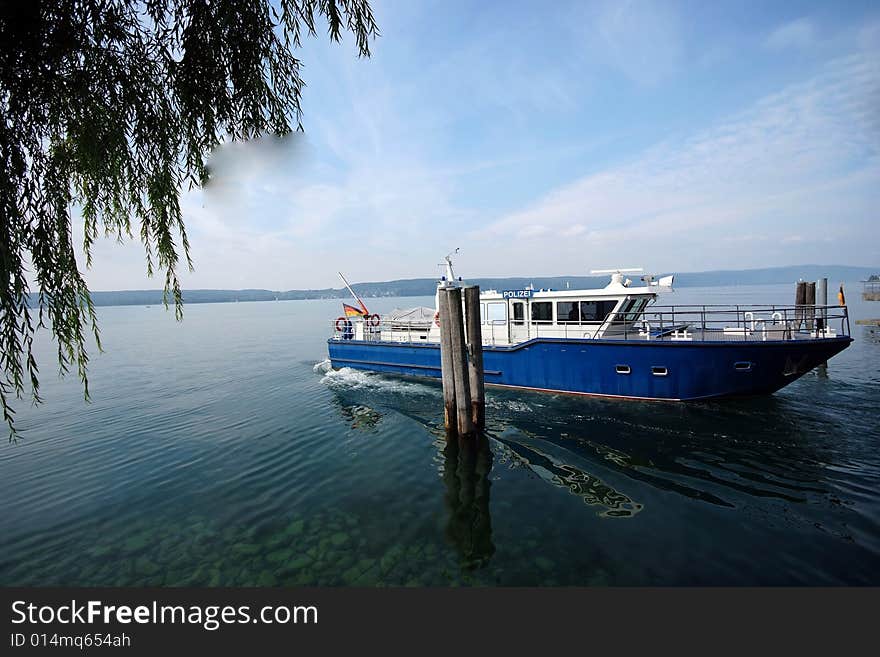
[
  {"x": 100, "y": 551},
  {"x": 280, "y": 556},
  {"x": 298, "y": 563},
  {"x": 215, "y": 578},
  {"x": 144, "y": 566},
  {"x": 296, "y": 527},
  {"x": 266, "y": 579},
  {"x": 137, "y": 542},
  {"x": 544, "y": 563},
  {"x": 390, "y": 558}
]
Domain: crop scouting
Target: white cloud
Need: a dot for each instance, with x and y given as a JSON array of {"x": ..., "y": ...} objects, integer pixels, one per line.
[
  {"x": 807, "y": 156},
  {"x": 644, "y": 39},
  {"x": 798, "y": 33}
]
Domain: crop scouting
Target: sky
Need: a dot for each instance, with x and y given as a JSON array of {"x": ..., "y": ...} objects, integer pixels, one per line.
[{"x": 550, "y": 139}]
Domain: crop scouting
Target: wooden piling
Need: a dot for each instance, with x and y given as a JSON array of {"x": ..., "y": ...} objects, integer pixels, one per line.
[
  {"x": 475, "y": 354},
  {"x": 446, "y": 363},
  {"x": 811, "y": 304},
  {"x": 822, "y": 301},
  {"x": 800, "y": 300},
  {"x": 460, "y": 363}
]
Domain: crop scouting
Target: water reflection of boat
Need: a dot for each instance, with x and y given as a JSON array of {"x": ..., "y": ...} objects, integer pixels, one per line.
[
  {"x": 590, "y": 488},
  {"x": 717, "y": 454},
  {"x": 608, "y": 342}
]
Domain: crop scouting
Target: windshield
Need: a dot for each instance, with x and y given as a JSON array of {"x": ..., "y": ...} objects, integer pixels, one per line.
[{"x": 632, "y": 309}]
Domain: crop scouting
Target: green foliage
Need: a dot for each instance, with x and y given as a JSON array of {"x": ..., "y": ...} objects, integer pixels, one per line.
[{"x": 111, "y": 106}]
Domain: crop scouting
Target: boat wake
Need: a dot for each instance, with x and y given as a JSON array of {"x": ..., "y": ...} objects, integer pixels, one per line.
[{"x": 347, "y": 378}]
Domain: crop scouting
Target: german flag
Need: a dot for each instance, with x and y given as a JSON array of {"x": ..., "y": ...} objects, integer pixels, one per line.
[{"x": 351, "y": 311}]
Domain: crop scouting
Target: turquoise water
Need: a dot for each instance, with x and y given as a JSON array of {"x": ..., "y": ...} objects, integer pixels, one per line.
[{"x": 221, "y": 451}]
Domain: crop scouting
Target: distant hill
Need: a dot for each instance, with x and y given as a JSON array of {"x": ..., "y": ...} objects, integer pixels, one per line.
[{"x": 425, "y": 286}]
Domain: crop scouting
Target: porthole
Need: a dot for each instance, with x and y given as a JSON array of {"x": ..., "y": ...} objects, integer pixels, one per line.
[
  {"x": 742, "y": 366},
  {"x": 658, "y": 370},
  {"x": 623, "y": 369}
]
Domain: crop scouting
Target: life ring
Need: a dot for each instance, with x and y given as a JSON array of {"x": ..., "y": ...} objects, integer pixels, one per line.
[
  {"x": 373, "y": 320},
  {"x": 343, "y": 325},
  {"x": 437, "y": 318}
]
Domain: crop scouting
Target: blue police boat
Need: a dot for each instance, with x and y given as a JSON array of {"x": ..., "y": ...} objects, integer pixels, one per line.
[{"x": 609, "y": 342}]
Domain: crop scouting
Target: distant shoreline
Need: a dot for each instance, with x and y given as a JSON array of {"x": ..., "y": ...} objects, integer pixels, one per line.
[{"x": 420, "y": 287}]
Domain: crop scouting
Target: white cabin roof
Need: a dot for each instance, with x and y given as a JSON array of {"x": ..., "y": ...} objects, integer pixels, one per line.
[{"x": 615, "y": 292}]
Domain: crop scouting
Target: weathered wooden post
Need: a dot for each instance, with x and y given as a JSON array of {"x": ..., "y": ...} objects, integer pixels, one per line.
[
  {"x": 822, "y": 301},
  {"x": 475, "y": 352},
  {"x": 446, "y": 362},
  {"x": 800, "y": 300},
  {"x": 811, "y": 304},
  {"x": 459, "y": 363}
]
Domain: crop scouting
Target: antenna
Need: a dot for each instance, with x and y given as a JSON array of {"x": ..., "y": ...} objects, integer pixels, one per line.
[
  {"x": 450, "y": 275},
  {"x": 632, "y": 270}
]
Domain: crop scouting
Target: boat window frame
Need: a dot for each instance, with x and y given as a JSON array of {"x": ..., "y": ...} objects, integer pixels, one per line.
[
  {"x": 577, "y": 307},
  {"x": 534, "y": 306},
  {"x": 597, "y": 322},
  {"x": 521, "y": 306},
  {"x": 495, "y": 321}
]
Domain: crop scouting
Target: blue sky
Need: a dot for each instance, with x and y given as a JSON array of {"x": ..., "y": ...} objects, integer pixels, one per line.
[{"x": 552, "y": 138}]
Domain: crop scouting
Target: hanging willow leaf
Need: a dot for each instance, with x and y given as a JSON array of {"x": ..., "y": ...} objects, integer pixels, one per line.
[{"x": 111, "y": 106}]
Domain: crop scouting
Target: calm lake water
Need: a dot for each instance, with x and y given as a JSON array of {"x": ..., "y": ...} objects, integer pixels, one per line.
[{"x": 220, "y": 451}]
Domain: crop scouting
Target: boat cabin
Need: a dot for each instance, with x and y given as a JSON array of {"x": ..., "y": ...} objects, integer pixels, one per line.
[{"x": 513, "y": 316}]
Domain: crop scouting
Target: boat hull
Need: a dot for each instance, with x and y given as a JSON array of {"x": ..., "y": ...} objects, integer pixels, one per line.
[{"x": 661, "y": 370}]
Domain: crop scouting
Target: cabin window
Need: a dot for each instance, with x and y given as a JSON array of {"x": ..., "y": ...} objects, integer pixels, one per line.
[
  {"x": 542, "y": 311},
  {"x": 567, "y": 312},
  {"x": 482, "y": 313},
  {"x": 496, "y": 312},
  {"x": 743, "y": 366},
  {"x": 631, "y": 310},
  {"x": 519, "y": 313},
  {"x": 596, "y": 311},
  {"x": 623, "y": 369},
  {"x": 658, "y": 370}
]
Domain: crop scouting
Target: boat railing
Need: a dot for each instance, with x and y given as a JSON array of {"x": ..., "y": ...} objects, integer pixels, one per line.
[
  {"x": 705, "y": 322},
  {"x": 379, "y": 329},
  {"x": 732, "y": 322}
]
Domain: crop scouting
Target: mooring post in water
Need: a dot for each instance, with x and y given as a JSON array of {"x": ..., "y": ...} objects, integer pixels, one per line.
[
  {"x": 460, "y": 363},
  {"x": 822, "y": 301},
  {"x": 475, "y": 354},
  {"x": 811, "y": 304},
  {"x": 800, "y": 300},
  {"x": 822, "y": 319},
  {"x": 446, "y": 362}
]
